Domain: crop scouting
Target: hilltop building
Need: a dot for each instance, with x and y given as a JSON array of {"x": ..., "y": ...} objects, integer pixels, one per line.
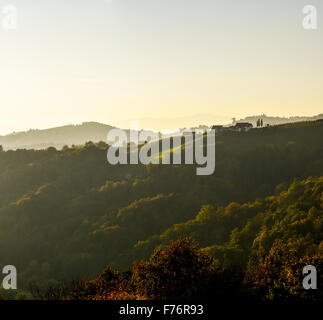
[{"x": 243, "y": 126}]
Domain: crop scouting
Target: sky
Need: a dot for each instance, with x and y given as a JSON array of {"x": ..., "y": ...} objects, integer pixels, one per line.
[{"x": 73, "y": 61}]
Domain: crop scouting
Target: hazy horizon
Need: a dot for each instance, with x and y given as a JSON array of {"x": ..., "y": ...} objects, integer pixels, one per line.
[
  {"x": 161, "y": 123},
  {"x": 110, "y": 61}
]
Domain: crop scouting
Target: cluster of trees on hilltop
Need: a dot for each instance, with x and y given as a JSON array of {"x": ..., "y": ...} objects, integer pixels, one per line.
[
  {"x": 67, "y": 214},
  {"x": 271, "y": 120}
]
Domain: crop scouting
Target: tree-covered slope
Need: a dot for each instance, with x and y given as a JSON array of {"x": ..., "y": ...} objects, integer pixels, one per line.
[
  {"x": 68, "y": 213},
  {"x": 235, "y": 232}
]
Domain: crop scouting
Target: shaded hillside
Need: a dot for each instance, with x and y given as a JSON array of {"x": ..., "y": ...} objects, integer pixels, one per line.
[{"x": 68, "y": 213}]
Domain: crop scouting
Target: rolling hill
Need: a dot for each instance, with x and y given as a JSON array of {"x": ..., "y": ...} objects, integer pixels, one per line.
[
  {"x": 56, "y": 137},
  {"x": 67, "y": 214}
]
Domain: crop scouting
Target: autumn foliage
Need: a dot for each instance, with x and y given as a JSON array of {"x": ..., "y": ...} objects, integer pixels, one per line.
[{"x": 183, "y": 271}]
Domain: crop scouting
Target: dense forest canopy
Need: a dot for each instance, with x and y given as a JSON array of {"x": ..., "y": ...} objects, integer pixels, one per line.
[{"x": 67, "y": 214}]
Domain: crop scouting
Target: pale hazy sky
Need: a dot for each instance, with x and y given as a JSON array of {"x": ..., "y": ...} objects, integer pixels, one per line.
[{"x": 106, "y": 60}]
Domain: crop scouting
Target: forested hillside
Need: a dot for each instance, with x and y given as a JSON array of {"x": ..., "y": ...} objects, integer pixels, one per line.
[{"x": 67, "y": 214}]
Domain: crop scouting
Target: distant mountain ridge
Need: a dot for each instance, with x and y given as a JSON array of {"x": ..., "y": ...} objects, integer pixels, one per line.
[
  {"x": 56, "y": 137},
  {"x": 79, "y": 134},
  {"x": 174, "y": 123}
]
